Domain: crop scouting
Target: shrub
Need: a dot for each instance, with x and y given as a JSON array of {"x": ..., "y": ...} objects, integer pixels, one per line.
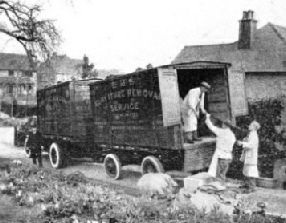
[{"x": 268, "y": 113}]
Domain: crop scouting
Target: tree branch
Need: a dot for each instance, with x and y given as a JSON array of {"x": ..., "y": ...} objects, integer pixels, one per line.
[{"x": 38, "y": 37}]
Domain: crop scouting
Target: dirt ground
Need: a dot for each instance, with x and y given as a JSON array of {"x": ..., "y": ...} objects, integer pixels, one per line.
[{"x": 276, "y": 199}]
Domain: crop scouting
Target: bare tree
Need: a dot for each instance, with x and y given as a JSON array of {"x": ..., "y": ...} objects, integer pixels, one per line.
[
  {"x": 39, "y": 37},
  {"x": 88, "y": 70}
]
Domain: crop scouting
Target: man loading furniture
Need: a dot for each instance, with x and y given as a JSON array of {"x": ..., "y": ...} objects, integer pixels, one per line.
[{"x": 192, "y": 105}]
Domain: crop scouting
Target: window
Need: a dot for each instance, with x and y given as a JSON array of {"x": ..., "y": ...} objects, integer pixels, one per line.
[
  {"x": 10, "y": 89},
  {"x": 11, "y": 73},
  {"x": 22, "y": 89},
  {"x": 28, "y": 73},
  {"x": 30, "y": 88}
]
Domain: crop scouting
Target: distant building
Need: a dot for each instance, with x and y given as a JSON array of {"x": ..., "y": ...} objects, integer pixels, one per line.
[
  {"x": 18, "y": 83},
  {"x": 58, "y": 68}
]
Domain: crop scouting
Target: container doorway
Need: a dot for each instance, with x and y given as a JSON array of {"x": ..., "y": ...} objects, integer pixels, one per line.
[{"x": 216, "y": 99}]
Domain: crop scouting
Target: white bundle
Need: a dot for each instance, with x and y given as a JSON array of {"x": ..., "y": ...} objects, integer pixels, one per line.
[
  {"x": 157, "y": 183},
  {"x": 17, "y": 162}
]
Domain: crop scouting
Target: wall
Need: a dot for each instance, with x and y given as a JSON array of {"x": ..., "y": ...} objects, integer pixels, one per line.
[
  {"x": 4, "y": 73},
  {"x": 264, "y": 85},
  {"x": 261, "y": 86},
  {"x": 7, "y": 135}
]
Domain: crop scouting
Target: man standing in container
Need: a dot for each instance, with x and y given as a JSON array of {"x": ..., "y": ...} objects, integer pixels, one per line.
[
  {"x": 192, "y": 105},
  {"x": 225, "y": 140},
  {"x": 249, "y": 157}
]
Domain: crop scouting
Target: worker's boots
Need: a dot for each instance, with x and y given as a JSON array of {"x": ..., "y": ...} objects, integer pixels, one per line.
[
  {"x": 188, "y": 137},
  {"x": 195, "y": 136}
]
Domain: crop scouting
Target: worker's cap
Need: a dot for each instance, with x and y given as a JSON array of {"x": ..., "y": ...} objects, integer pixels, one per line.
[{"x": 205, "y": 85}]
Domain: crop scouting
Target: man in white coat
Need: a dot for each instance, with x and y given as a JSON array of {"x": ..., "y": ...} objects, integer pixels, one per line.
[
  {"x": 249, "y": 156},
  {"x": 225, "y": 140},
  {"x": 192, "y": 105}
]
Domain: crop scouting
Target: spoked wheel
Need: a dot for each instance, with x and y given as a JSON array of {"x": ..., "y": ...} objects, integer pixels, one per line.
[
  {"x": 56, "y": 156},
  {"x": 112, "y": 166},
  {"x": 151, "y": 164}
]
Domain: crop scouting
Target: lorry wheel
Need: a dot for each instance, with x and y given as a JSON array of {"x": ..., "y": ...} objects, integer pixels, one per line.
[
  {"x": 112, "y": 166},
  {"x": 56, "y": 156},
  {"x": 151, "y": 164}
]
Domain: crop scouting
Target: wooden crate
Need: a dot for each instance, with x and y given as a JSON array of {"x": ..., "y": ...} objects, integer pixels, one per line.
[{"x": 198, "y": 156}]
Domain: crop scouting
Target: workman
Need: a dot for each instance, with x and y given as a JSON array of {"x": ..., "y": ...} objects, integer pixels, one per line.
[
  {"x": 34, "y": 143},
  {"x": 225, "y": 140},
  {"x": 249, "y": 157},
  {"x": 192, "y": 105}
]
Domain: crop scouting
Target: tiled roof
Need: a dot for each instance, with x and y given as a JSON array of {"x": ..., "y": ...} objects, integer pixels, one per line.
[
  {"x": 267, "y": 54},
  {"x": 62, "y": 64},
  {"x": 12, "y": 61},
  {"x": 14, "y": 80}
]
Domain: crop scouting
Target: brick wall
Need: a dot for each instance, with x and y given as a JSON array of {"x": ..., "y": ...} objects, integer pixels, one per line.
[
  {"x": 260, "y": 86},
  {"x": 264, "y": 85}
]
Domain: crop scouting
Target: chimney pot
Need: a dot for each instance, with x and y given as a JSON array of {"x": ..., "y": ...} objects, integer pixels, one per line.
[
  {"x": 244, "y": 15},
  {"x": 250, "y": 14}
]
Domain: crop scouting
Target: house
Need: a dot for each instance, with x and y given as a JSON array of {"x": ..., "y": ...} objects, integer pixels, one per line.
[
  {"x": 257, "y": 58},
  {"x": 18, "y": 82},
  {"x": 58, "y": 68}
]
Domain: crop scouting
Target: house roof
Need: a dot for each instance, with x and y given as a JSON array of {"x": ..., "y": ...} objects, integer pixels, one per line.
[
  {"x": 267, "y": 54},
  {"x": 14, "y": 80},
  {"x": 12, "y": 61},
  {"x": 280, "y": 31},
  {"x": 62, "y": 65}
]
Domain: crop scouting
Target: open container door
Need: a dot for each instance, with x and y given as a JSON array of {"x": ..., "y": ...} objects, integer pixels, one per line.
[
  {"x": 168, "y": 83},
  {"x": 236, "y": 79}
]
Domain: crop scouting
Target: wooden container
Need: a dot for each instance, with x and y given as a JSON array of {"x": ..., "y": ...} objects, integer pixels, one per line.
[{"x": 198, "y": 156}]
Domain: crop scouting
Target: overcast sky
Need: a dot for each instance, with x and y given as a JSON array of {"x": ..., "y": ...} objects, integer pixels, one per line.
[{"x": 126, "y": 34}]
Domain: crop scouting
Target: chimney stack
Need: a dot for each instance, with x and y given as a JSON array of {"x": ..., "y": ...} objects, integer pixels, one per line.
[{"x": 247, "y": 29}]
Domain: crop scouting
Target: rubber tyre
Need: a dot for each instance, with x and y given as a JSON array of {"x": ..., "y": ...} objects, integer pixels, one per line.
[
  {"x": 151, "y": 164},
  {"x": 56, "y": 156},
  {"x": 112, "y": 166}
]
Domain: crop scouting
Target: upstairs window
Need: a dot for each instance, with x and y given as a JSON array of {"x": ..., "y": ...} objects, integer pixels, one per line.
[
  {"x": 30, "y": 88},
  {"x": 10, "y": 89},
  {"x": 28, "y": 73}
]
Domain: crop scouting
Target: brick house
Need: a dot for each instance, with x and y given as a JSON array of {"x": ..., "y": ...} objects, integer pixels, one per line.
[
  {"x": 258, "y": 62},
  {"x": 18, "y": 83},
  {"x": 58, "y": 68}
]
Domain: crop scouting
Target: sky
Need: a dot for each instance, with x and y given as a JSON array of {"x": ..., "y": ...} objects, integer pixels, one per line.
[{"x": 127, "y": 34}]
